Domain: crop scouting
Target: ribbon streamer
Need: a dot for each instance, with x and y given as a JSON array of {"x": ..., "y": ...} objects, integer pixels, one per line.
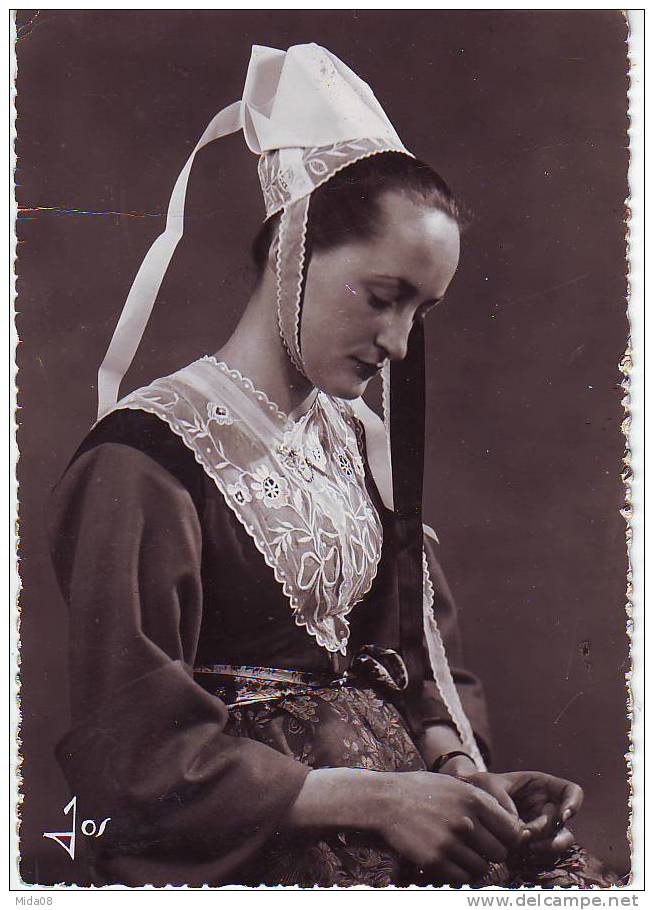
[{"x": 143, "y": 293}]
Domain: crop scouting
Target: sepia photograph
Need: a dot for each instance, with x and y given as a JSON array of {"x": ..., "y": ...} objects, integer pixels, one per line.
[{"x": 322, "y": 373}]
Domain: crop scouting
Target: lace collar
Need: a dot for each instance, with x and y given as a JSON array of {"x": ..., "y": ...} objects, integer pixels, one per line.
[
  {"x": 286, "y": 421},
  {"x": 296, "y": 486}
]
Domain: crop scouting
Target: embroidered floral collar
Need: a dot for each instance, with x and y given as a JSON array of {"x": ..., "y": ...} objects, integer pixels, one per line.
[{"x": 297, "y": 487}]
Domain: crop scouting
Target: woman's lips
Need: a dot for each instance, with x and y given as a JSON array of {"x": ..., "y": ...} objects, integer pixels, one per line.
[{"x": 366, "y": 370}]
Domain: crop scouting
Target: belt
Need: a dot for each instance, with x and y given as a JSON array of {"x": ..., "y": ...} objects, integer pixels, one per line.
[{"x": 246, "y": 685}]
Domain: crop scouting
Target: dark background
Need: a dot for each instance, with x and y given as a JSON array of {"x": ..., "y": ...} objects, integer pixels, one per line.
[{"x": 524, "y": 115}]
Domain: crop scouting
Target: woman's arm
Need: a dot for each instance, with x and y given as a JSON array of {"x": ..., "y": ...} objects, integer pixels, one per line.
[
  {"x": 443, "y": 826},
  {"x": 437, "y": 741},
  {"x": 188, "y": 803}
]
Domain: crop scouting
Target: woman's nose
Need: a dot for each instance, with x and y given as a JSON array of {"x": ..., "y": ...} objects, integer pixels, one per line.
[{"x": 393, "y": 337}]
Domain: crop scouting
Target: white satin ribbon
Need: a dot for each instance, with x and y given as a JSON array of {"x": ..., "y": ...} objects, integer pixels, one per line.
[
  {"x": 300, "y": 98},
  {"x": 143, "y": 293}
]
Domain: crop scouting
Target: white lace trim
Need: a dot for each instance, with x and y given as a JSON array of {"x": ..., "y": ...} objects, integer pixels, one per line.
[
  {"x": 442, "y": 673},
  {"x": 249, "y": 386},
  {"x": 289, "y": 190},
  {"x": 283, "y": 185},
  {"x": 279, "y": 292},
  {"x": 386, "y": 401},
  {"x": 291, "y": 252},
  {"x": 298, "y": 490},
  {"x": 296, "y": 301}
]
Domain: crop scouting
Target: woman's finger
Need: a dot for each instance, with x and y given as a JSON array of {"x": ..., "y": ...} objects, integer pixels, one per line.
[
  {"x": 470, "y": 860},
  {"x": 554, "y": 846},
  {"x": 495, "y": 789},
  {"x": 546, "y": 822},
  {"x": 567, "y": 794},
  {"x": 506, "y": 827},
  {"x": 533, "y": 803},
  {"x": 449, "y": 873},
  {"x": 571, "y": 800},
  {"x": 497, "y": 786},
  {"x": 486, "y": 844}
]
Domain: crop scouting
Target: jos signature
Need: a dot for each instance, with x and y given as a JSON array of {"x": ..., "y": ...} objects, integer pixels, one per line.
[{"x": 88, "y": 827}]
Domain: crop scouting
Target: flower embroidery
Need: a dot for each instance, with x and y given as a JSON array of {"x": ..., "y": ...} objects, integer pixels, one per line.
[
  {"x": 239, "y": 492},
  {"x": 269, "y": 487},
  {"x": 344, "y": 464},
  {"x": 314, "y": 450},
  {"x": 305, "y": 469},
  {"x": 297, "y": 460},
  {"x": 219, "y": 414},
  {"x": 357, "y": 461},
  {"x": 317, "y": 455},
  {"x": 293, "y": 486},
  {"x": 285, "y": 178}
]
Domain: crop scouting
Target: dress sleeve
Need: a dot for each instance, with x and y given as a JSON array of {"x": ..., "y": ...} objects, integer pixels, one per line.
[
  {"x": 188, "y": 803},
  {"x": 468, "y": 686}
]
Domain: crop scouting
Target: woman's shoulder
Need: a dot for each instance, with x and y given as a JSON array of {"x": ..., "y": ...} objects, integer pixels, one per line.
[
  {"x": 137, "y": 440},
  {"x": 148, "y": 420},
  {"x": 139, "y": 429}
]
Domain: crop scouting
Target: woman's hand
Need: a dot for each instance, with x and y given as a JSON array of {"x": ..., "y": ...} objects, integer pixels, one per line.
[
  {"x": 448, "y": 828},
  {"x": 544, "y": 804}
]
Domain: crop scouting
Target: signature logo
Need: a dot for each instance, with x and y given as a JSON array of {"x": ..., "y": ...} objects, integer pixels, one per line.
[{"x": 88, "y": 827}]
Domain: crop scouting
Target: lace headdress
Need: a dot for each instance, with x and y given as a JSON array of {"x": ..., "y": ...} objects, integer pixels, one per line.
[{"x": 308, "y": 116}]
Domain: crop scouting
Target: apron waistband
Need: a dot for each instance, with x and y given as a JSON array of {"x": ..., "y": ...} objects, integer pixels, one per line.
[{"x": 241, "y": 685}]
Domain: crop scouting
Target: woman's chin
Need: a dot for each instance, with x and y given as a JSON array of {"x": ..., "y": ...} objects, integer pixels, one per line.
[
  {"x": 347, "y": 390},
  {"x": 343, "y": 385}
]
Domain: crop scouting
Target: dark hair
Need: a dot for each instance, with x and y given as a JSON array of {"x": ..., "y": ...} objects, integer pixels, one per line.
[{"x": 346, "y": 206}]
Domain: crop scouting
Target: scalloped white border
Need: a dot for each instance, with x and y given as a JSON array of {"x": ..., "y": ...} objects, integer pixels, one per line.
[
  {"x": 369, "y": 154},
  {"x": 283, "y": 264},
  {"x": 320, "y": 635},
  {"x": 249, "y": 386},
  {"x": 442, "y": 674}
]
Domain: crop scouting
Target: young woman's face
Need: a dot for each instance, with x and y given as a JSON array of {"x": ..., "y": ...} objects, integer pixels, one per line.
[{"x": 362, "y": 298}]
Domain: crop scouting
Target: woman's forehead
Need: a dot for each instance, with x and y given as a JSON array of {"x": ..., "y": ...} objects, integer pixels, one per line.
[
  {"x": 406, "y": 215},
  {"x": 413, "y": 243}
]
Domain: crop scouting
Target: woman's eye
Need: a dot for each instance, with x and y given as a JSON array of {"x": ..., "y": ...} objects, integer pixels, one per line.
[{"x": 378, "y": 303}]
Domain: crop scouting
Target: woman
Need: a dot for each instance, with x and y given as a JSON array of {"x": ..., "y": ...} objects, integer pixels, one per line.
[{"x": 260, "y": 691}]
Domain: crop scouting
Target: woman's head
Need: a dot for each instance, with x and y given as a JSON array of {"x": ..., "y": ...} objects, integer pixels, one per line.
[
  {"x": 383, "y": 246},
  {"x": 346, "y": 207}
]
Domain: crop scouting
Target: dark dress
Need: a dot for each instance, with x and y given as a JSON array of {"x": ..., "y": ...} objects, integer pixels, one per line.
[{"x": 198, "y": 704}]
